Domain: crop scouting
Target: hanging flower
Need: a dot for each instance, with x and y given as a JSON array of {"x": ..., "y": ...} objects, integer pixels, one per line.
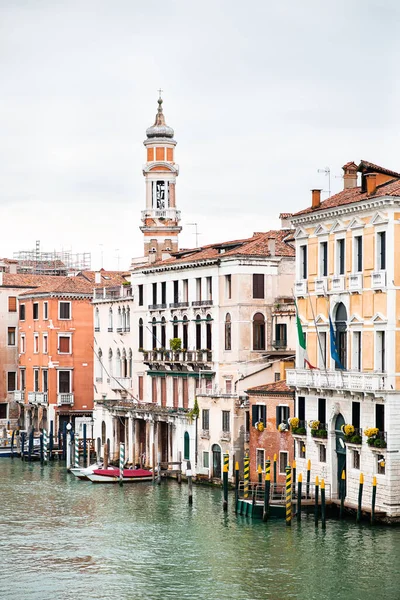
[
  {"x": 371, "y": 432},
  {"x": 348, "y": 429},
  {"x": 294, "y": 422},
  {"x": 260, "y": 426},
  {"x": 313, "y": 424}
]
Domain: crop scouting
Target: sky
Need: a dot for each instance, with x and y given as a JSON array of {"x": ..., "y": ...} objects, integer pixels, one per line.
[{"x": 260, "y": 94}]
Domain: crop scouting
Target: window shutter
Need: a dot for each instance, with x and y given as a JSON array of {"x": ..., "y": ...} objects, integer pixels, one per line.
[
  {"x": 278, "y": 416},
  {"x": 64, "y": 344},
  {"x": 254, "y": 414},
  {"x": 12, "y": 304},
  {"x": 185, "y": 386},
  {"x": 140, "y": 387},
  {"x": 264, "y": 415}
]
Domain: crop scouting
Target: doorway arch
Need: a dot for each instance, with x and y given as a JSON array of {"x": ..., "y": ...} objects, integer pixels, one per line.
[
  {"x": 216, "y": 461},
  {"x": 340, "y": 452}
]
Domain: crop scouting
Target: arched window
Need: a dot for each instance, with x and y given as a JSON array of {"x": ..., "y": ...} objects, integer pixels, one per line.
[
  {"x": 140, "y": 334},
  {"x": 154, "y": 333},
  {"x": 96, "y": 319},
  {"x": 118, "y": 364},
  {"x": 130, "y": 363},
  {"x": 341, "y": 334},
  {"x": 119, "y": 324},
  {"x": 228, "y": 332},
  {"x": 128, "y": 319},
  {"x": 99, "y": 366},
  {"x": 110, "y": 319},
  {"x": 209, "y": 332},
  {"x": 186, "y": 446},
  {"x": 103, "y": 433},
  {"x": 110, "y": 362},
  {"x": 163, "y": 333},
  {"x": 258, "y": 332},
  {"x": 185, "y": 337},
  {"x": 198, "y": 332},
  {"x": 176, "y": 328},
  {"x": 123, "y": 319},
  {"x": 124, "y": 364}
]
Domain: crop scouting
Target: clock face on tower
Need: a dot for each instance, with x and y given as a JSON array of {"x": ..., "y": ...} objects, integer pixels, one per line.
[{"x": 160, "y": 194}]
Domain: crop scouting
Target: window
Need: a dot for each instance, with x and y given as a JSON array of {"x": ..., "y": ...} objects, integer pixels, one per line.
[
  {"x": 154, "y": 289},
  {"x": 323, "y": 259},
  {"x": 185, "y": 392},
  {"x": 45, "y": 381},
  {"x": 358, "y": 254},
  {"x": 96, "y": 319},
  {"x": 11, "y": 337},
  {"x": 302, "y": 450},
  {"x": 301, "y": 408},
  {"x": 98, "y": 365},
  {"x": 206, "y": 460},
  {"x": 110, "y": 320},
  {"x": 110, "y": 362},
  {"x": 163, "y": 292},
  {"x": 303, "y": 262},
  {"x": 35, "y": 310},
  {"x": 186, "y": 446},
  {"x": 322, "y": 349},
  {"x": 36, "y": 343},
  {"x": 277, "y": 376},
  {"x": 209, "y": 287},
  {"x": 22, "y": 379},
  {"x": 154, "y": 333},
  {"x": 175, "y": 328},
  {"x": 380, "y": 352},
  {"x": 228, "y": 332},
  {"x": 3, "y": 410},
  {"x": 341, "y": 334},
  {"x": 12, "y": 304},
  {"x": 198, "y": 289},
  {"x": 154, "y": 390},
  {"x": 357, "y": 350},
  {"x": 356, "y": 459},
  {"x": 140, "y": 387},
  {"x": 259, "y": 414},
  {"x": 163, "y": 333},
  {"x": 380, "y": 464},
  {"x": 175, "y": 392},
  {"x": 11, "y": 381},
  {"x": 205, "y": 419},
  {"x": 226, "y": 421},
  {"x": 381, "y": 248},
  {"x": 64, "y": 382},
  {"x": 322, "y": 453},
  {"x": 22, "y": 312},
  {"x": 163, "y": 391},
  {"x": 340, "y": 257},
  {"x": 209, "y": 332},
  {"x": 380, "y": 417},
  {"x": 176, "y": 291},
  {"x": 355, "y": 414},
  {"x": 258, "y": 285},
  {"x": 140, "y": 295},
  {"x": 185, "y": 333},
  {"x": 280, "y": 335},
  {"x": 64, "y": 309},
  {"x": 64, "y": 344},
  {"x": 322, "y": 411},
  {"x": 185, "y": 290},
  {"x": 228, "y": 386},
  {"x": 228, "y": 287},
  {"x": 283, "y": 462},
  {"x": 45, "y": 343},
  {"x": 23, "y": 344},
  {"x": 45, "y": 311},
  {"x": 140, "y": 334},
  {"x": 260, "y": 458},
  {"x": 198, "y": 332},
  {"x": 35, "y": 380},
  {"x": 258, "y": 332},
  {"x": 282, "y": 414}
]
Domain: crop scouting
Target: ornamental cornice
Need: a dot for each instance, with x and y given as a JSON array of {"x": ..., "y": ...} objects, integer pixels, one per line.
[
  {"x": 152, "y": 166},
  {"x": 338, "y": 211}
]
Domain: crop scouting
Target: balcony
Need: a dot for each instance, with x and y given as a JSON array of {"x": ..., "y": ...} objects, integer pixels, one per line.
[
  {"x": 367, "y": 383},
  {"x": 225, "y": 436},
  {"x": 19, "y": 396},
  {"x": 64, "y": 398},
  {"x": 173, "y": 356},
  {"x": 179, "y": 305},
  {"x": 355, "y": 282},
  {"x": 121, "y": 383},
  {"x": 198, "y": 303},
  {"x": 378, "y": 280},
  {"x": 112, "y": 293},
  {"x": 300, "y": 287},
  {"x": 337, "y": 283},
  {"x": 279, "y": 344},
  {"x": 122, "y": 330},
  {"x": 205, "y": 434},
  {"x": 157, "y": 306},
  {"x": 37, "y": 397},
  {"x": 321, "y": 286}
]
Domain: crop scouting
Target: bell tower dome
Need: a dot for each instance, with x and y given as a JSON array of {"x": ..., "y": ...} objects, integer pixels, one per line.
[{"x": 160, "y": 220}]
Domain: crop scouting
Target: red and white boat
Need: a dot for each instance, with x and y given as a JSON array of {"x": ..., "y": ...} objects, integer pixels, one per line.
[{"x": 113, "y": 475}]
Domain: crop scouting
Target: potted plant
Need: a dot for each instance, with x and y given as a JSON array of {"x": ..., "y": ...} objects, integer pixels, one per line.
[
  {"x": 314, "y": 426},
  {"x": 350, "y": 434},
  {"x": 294, "y": 423},
  {"x": 175, "y": 344},
  {"x": 371, "y": 433}
]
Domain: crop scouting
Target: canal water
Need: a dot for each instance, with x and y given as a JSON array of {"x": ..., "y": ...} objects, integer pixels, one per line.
[{"x": 61, "y": 538}]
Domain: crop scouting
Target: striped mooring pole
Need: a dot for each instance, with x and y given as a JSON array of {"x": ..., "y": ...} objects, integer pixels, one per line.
[
  {"x": 268, "y": 468},
  {"x": 45, "y": 444},
  {"x": 316, "y": 508},
  {"x": 373, "y": 500},
  {"x": 76, "y": 450},
  {"x": 323, "y": 507},
  {"x": 294, "y": 475},
  {"x": 360, "y": 493},
  {"x": 237, "y": 474},
  {"x": 246, "y": 477},
  {"x": 267, "y": 491},
  {"x": 299, "y": 484},
  {"x": 288, "y": 496},
  {"x": 259, "y": 471},
  {"x": 121, "y": 462},
  {"x": 225, "y": 481}
]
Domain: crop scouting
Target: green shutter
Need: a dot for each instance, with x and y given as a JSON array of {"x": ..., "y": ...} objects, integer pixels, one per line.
[{"x": 186, "y": 447}]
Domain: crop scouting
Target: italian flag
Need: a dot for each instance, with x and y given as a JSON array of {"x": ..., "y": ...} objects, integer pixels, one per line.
[{"x": 303, "y": 356}]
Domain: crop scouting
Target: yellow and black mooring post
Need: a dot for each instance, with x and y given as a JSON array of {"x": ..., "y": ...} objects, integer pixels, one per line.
[
  {"x": 268, "y": 468},
  {"x": 342, "y": 487},
  {"x": 323, "y": 508},
  {"x": 294, "y": 475},
  {"x": 360, "y": 493},
  {"x": 259, "y": 471},
  {"x": 225, "y": 481},
  {"x": 275, "y": 457},
  {"x": 316, "y": 501},
  {"x": 308, "y": 478},
  {"x": 246, "y": 476},
  {"x": 288, "y": 496},
  {"x": 267, "y": 491},
  {"x": 236, "y": 485},
  {"x": 299, "y": 485},
  {"x": 373, "y": 500}
]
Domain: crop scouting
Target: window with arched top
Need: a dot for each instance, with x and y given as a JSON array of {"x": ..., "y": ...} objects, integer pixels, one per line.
[
  {"x": 154, "y": 333},
  {"x": 123, "y": 319},
  {"x": 228, "y": 332},
  {"x": 119, "y": 324},
  {"x": 99, "y": 365},
  {"x": 186, "y": 446},
  {"x": 118, "y": 363},
  {"x": 163, "y": 333},
  {"x": 198, "y": 332},
  {"x": 176, "y": 327},
  {"x": 103, "y": 433},
  {"x": 110, "y": 319},
  {"x": 110, "y": 362},
  {"x": 258, "y": 332},
  {"x": 209, "y": 332},
  {"x": 96, "y": 319},
  {"x": 129, "y": 363},
  {"x": 341, "y": 335},
  {"x": 141, "y": 334},
  {"x": 185, "y": 333},
  {"x": 128, "y": 319},
  {"x": 124, "y": 364}
]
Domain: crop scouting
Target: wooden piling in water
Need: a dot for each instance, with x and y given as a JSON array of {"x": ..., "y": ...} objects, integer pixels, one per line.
[
  {"x": 180, "y": 466},
  {"x": 121, "y": 463},
  {"x": 267, "y": 492},
  {"x": 30, "y": 445},
  {"x": 294, "y": 475},
  {"x": 259, "y": 471},
  {"x": 225, "y": 481},
  {"x": 299, "y": 485},
  {"x": 84, "y": 444},
  {"x": 316, "y": 507},
  {"x": 237, "y": 475},
  {"x": 308, "y": 478},
  {"x": 41, "y": 449},
  {"x": 23, "y": 445},
  {"x": 51, "y": 441},
  {"x": 342, "y": 484},
  {"x": 275, "y": 457},
  {"x": 360, "y": 493},
  {"x": 288, "y": 496},
  {"x": 159, "y": 468},
  {"x": 323, "y": 507},
  {"x": 105, "y": 455},
  {"x": 373, "y": 500},
  {"x": 189, "y": 480}
]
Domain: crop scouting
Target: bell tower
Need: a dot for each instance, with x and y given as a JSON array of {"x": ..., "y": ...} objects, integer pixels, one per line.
[{"x": 160, "y": 220}]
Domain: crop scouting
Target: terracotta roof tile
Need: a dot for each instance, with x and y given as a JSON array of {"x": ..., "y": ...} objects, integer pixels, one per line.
[
  {"x": 108, "y": 278},
  {"x": 269, "y": 388},
  {"x": 63, "y": 285},
  {"x": 27, "y": 280}
]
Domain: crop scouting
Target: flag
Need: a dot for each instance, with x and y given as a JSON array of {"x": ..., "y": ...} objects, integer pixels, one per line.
[
  {"x": 303, "y": 356},
  {"x": 334, "y": 350}
]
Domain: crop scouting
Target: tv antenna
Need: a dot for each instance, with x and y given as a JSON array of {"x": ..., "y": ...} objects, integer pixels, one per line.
[{"x": 327, "y": 172}]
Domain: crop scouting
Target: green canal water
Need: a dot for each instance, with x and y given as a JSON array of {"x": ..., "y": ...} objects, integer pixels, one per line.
[{"x": 61, "y": 538}]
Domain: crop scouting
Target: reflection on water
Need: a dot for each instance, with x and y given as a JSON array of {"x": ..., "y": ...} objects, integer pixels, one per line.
[{"x": 61, "y": 538}]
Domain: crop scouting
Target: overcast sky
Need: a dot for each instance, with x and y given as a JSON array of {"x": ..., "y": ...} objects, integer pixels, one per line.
[{"x": 260, "y": 94}]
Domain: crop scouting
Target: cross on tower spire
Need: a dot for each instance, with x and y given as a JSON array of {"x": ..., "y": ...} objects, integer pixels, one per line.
[{"x": 160, "y": 91}]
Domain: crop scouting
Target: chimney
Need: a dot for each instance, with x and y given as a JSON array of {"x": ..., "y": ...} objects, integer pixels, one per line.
[
  {"x": 152, "y": 255},
  {"x": 285, "y": 220},
  {"x": 350, "y": 175},
  {"x": 316, "y": 198},
  {"x": 97, "y": 277},
  {"x": 371, "y": 183},
  {"x": 271, "y": 246}
]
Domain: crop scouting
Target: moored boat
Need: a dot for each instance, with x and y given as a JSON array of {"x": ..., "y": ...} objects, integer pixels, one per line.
[
  {"x": 113, "y": 475},
  {"x": 83, "y": 472}
]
